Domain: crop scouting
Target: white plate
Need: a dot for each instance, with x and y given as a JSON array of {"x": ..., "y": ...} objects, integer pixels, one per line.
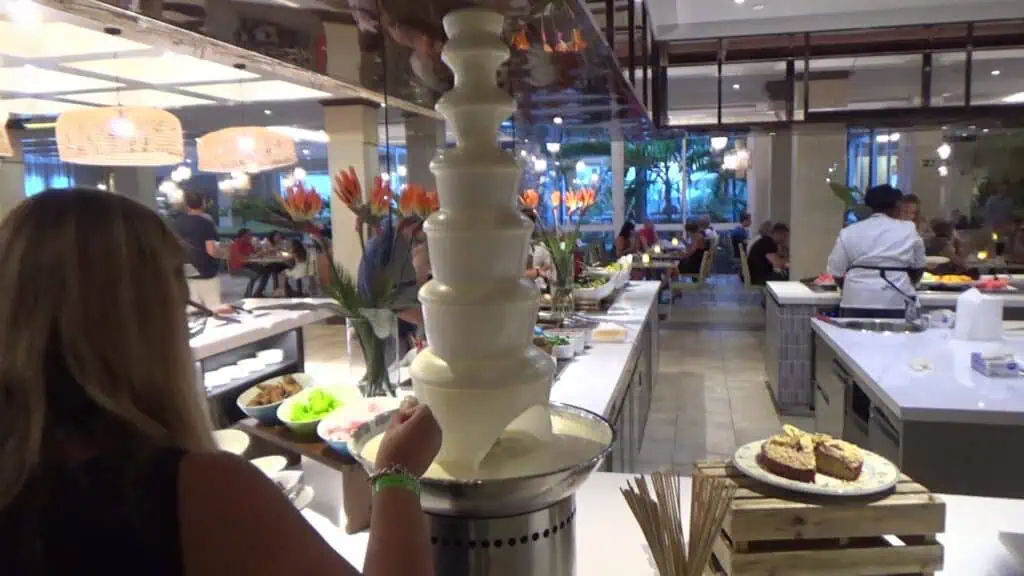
[
  {"x": 878, "y": 475},
  {"x": 304, "y": 498},
  {"x": 270, "y": 465},
  {"x": 231, "y": 440}
]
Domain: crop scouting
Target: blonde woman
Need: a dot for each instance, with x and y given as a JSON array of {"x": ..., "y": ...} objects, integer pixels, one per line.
[{"x": 106, "y": 458}]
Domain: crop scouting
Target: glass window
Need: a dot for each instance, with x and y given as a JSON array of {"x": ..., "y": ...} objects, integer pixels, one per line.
[
  {"x": 754, "y": 92},
  {"x": 949, "y": 71},
  {"x": 692, "y": 95},
  {"x": 654, "y": 181},
  {"x": 873, "y": 158},
  {"x": 864, "y": 83},
  {"x": 576, "y": 165},
  {"x": 716, "y": 183},
  {"x": 996, "y": 77}
]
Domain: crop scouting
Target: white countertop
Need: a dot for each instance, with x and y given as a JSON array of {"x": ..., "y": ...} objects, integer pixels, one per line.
[
  {"x": 609, "y": 541},
  {"x": 949, "y": 392},
  {"x": 797, "y": 293},
  {"x": 593, "y": 380},
  {"x": 220, "y": 337}
]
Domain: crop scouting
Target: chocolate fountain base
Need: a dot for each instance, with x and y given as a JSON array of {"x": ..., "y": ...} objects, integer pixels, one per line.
[{"x": 541, "y": 542}]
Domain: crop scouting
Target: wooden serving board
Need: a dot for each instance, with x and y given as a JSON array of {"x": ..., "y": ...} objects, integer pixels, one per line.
[{"x": 769, "y": 531}]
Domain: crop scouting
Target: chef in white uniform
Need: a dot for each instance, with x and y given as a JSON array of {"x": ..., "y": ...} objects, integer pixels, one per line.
[{"x": 879, "y": 258}]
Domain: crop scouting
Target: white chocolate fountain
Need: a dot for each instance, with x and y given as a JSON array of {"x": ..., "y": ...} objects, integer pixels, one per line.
[{"x": 481, "y": 370}]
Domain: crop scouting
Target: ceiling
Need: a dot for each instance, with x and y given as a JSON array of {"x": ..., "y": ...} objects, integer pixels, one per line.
[{"x": 686, "y": 19}]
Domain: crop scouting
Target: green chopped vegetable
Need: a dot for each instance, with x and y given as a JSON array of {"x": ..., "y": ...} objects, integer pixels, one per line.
[{"x": 317, "y": 405}]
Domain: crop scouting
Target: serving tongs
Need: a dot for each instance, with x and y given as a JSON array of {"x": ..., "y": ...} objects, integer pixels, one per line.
[{"x": 203, "y": 311}]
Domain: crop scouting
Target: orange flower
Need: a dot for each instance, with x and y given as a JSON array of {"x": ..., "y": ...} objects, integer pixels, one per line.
[
  {"x": 529, "y": 198},
  {"x": 556, "y": 199},
  {"x": 302, "y": 204},
  {"x": 572, "y": 201},
  {"x": 587, "y": 197},
  {"x": 348, "y": 189},
  {"x": 380, "y": 197},
  {"x": 417, "y": 201},
  {"x": 520, "y": 41}
]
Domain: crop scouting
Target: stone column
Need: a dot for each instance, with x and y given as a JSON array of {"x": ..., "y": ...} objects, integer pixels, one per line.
[
  {"x": 423, "y": 137},
  {"x": 136, "y": 182},
  {"x": 618, "y": 160},
  {"x": 759, "y": 178},
  {"x": 816, "y": 215},
  {"x": 352, "y": 127},
  {"x": 12, "y": 176},
  {"x": 781, "y": 176}
]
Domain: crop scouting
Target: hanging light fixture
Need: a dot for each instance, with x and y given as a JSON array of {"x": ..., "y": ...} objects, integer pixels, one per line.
[
  {"x": 247, "y": 149},
  {"x": 120, "y": 136}
]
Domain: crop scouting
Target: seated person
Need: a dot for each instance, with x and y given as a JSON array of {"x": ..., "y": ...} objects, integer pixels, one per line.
[
  {"x": 647, "y": 237},
  {"x": 740, "y": 234},
  {"x": 625, "y": 242},
  {"x": 299, "y": 269},
  {"x": 241, "y": 250},
  {"x": 766, "y": 260},
  {"x": 696, "y": 247},
  {"x": 940, "y": 243},
  {"x": 705, "y": 227}
]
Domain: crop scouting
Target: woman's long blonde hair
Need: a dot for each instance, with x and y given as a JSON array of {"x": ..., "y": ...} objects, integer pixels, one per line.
[{"x": 93, "y": 282}]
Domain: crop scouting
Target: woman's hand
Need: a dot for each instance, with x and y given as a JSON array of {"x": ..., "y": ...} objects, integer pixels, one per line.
[{"x": 412, "y": 440}]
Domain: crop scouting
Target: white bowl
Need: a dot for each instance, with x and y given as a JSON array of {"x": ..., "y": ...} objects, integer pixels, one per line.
[
  {"x": 233, "y": 372},
  {"x": 271, "y": 356},
  {"x": 307, "y": 428},
  {"x": 267, "y": 414},
  {"x": 564, "y": 352},
  {"x": 578, "y": 338},
  {"x": 214, "y": 379},
  {"x": 270, "y": 465},
  {"x": 252, "y": 364},
  {"x": 231, "y": 440}
]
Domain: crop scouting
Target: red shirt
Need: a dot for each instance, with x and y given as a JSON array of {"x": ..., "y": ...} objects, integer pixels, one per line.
[
  {"x": 649, "y": 235},
  {"x": 241, "y": 249}
]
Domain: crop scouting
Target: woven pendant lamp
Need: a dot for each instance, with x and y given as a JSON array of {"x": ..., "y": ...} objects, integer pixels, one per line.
[
  {"x": 120, "y": 136},
  {"x": 6, "y": 150},
  {"x": 245, "y": 149}
]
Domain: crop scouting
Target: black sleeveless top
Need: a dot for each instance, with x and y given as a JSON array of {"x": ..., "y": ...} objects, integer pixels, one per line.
[{"x": 100, "y": 517}]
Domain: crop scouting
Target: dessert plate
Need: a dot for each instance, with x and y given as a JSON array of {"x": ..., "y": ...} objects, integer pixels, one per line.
[{"x": 878, "y": 475}]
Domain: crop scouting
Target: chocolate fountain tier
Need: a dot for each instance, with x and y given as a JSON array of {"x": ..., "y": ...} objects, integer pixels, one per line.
[{"x": 506, "y": 496}]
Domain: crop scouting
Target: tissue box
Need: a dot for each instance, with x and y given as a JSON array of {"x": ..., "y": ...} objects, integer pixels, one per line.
[{"x": 998, "y": 366}]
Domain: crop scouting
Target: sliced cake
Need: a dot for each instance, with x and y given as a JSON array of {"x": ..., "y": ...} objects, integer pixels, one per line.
[
  {"x": 839, "y": 459},
  {"x": 790, "y": 456}
]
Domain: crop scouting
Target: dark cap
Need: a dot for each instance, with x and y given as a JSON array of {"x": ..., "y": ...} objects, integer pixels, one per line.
[{"x": 882, "y": 198}]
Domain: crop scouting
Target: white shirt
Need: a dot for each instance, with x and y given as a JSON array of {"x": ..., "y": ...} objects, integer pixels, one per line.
[
  {"x": 542, "y": 259},
  {"x": 879, "y": 241}
]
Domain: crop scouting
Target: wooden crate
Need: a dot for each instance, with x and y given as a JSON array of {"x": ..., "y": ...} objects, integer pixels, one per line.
[{"x": 773, "y": 532}]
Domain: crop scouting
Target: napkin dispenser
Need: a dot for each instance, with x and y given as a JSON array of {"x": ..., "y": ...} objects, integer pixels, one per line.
[{"x": 979, "y": 317}]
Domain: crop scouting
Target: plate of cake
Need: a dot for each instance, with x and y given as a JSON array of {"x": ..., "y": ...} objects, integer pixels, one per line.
[{"x": 816, "y": 464}]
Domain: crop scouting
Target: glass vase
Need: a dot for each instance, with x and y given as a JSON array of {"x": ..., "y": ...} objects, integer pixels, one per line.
[
  {"x": 563, "y": 304},
  {"x": 373, "y": 359}
]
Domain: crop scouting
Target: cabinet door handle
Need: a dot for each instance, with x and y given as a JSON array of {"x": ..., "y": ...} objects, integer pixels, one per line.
[
  {"x": 824, "y": 395},
  {"x": 840, "y": 372},
  {"x": 885, "y": 426}
]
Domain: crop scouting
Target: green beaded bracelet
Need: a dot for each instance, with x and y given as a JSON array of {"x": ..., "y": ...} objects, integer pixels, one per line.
[{"x": 405, "y": 481}]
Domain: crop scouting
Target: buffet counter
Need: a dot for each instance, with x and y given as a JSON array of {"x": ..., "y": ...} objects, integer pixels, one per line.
[
  {"x": 221, "y": 346},
  {"x": 915, "y": 399},
  {"x": 616, "y": 380},
  {"x": 980, "y": 532},
  {"x": 789, "y": 308}
]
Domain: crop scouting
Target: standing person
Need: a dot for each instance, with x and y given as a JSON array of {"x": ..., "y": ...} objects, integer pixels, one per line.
[
  {"x": 767, "y": 261},
  {"x": 540, "y": 267},
  {"x": 910, "y": 210},
  {"x": 99, "y": 429},
  {"x": 647, "y": 236},
  {"x": 199, "y": 236},
  {"x": 880, "y": 258},
  {"x": 625, "y": 242}
]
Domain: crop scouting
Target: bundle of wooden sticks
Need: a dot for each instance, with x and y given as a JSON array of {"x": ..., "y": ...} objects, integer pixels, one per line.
[{"x": 660, "y": 518}]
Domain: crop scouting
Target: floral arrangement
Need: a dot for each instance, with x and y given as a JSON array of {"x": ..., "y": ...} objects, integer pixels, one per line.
[
  {"x": 561, "y": 242},
  {"x": 371, "y": 311}
]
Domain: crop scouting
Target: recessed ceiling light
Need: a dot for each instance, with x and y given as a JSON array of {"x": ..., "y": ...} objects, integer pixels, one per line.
[
  {"x": 735, "y": 86},
  {"x": 739, "y": 1},
  {"x": 305, "y": 151},
  {"x": 985, "y": 130},
  {"x": 557, "y": 120},
  {"x": 995, "y": 72},
  {"x": 267, "y": 112},
  {"x": 758, "y": 6}
]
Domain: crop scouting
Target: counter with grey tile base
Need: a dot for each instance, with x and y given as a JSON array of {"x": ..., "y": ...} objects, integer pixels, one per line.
[{"x": 788, "y": 350}]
